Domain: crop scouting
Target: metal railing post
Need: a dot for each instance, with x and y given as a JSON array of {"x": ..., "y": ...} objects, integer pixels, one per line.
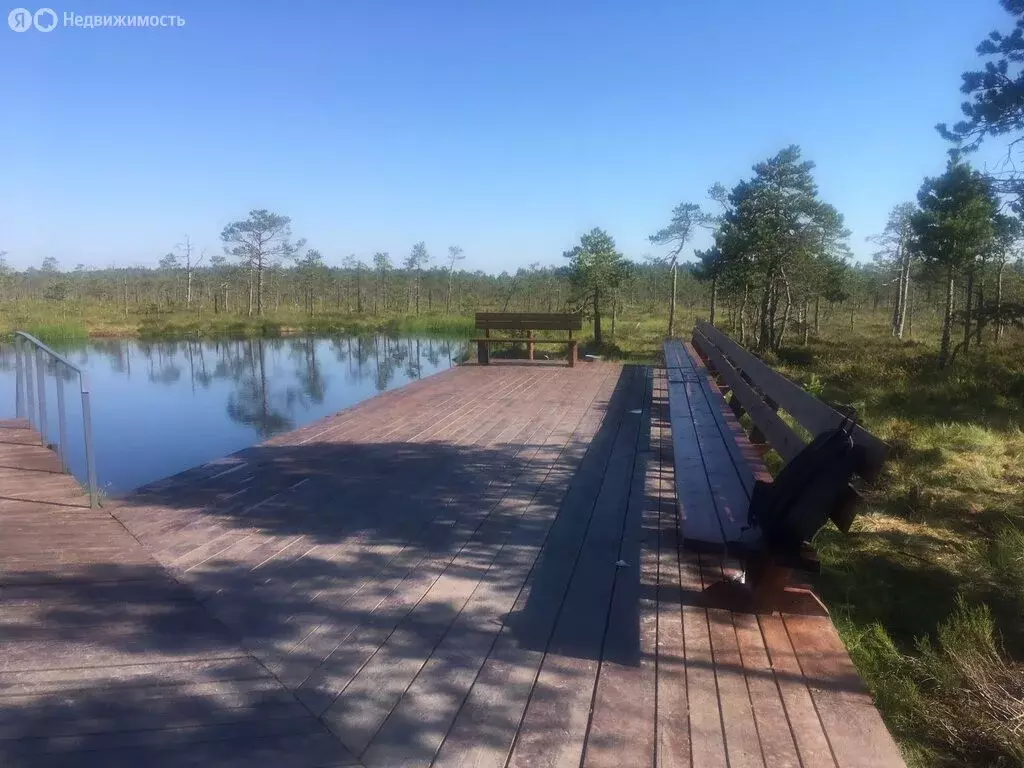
[
  {"x": 90, "y": 456},
  {"x": 62, "y": 424},
  {"x": 41, "y": 387},
  {"x": 19, "y": 373},
  {"x": 30, "y": 392}
]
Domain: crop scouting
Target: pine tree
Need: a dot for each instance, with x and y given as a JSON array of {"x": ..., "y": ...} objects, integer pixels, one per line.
[{"x": 597, "y": 270}]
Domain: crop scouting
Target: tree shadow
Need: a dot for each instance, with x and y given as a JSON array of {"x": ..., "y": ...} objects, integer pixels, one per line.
[
  {"x": 121, "y": 666},
  {"x": 310, "y": 579}
]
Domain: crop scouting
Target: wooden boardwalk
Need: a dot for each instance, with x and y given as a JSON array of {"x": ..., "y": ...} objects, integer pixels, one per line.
[{"x": 481, "y": 568}]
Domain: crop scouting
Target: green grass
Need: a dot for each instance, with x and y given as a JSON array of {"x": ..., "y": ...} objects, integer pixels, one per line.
[
  {"x": 455, "y": 326},
  {"x": 180, "y": 325},
  {"x": 85, "y": 319},
  {"x": 57, "y": 332},
  {"x": 638, "y": 334},
  {"x": 928, "y": 589}
]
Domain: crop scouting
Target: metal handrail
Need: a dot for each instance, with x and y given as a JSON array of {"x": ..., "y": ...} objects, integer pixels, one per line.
[{"x": 32, "y": 404}]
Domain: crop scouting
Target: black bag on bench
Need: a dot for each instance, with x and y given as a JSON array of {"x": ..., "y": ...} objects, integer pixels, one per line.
[{"x": 793, "y": 508}]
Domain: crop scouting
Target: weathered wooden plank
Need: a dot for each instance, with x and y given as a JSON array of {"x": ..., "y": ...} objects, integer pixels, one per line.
[
  {"x": 805, "y": 725},
  {"x": 715, "y": 519},
  {"x": 555, "y": 723},
  {"x": 38, "y": 682},
  {"x": 487, "y": 724},
  {"x": 742, "y": 743},
  {"x": 773, "y": 729},
  {"x": 675, "y": 359},
  {"x": 672, "y": 716},
  {"x": 698, "y": 518},
  {"x": 155, "y": 739},
  {"x": 317, "y": 750},
  {"x": 88, "y": 716},
  {"x": 707, "y": 736},
  {"x": 855, "y": 730},
  {"x": 98, "y": 697},
  {"x": 728, "y": 492},
  {"x": 622, "y": 718}
]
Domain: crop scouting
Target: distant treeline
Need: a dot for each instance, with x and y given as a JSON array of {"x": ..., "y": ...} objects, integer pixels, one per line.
[{"x": 384, "y": 289}]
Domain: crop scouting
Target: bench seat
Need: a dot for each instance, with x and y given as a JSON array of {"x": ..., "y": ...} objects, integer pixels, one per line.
[
  {"x": 716, "y": 467},
  {"x": 717, "y": 463}
]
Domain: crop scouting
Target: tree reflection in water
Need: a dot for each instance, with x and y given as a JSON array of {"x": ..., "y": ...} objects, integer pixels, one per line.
[
  {"x": 274, "y": 380},
  {"x": 272, "y": 383},
  {"x": 162, "y": 407}
]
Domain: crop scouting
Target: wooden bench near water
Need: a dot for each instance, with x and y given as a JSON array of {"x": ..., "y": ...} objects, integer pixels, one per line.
[
  {"x": 526, "y": 322},
  {"x": 484, "y": 567}
]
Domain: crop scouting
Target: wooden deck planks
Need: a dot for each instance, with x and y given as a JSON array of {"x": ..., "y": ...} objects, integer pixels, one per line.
[
  {"x": 707, "y": 737},
  {"x": 471, "y": 612},
  {"x": 412, "y": 522},
  {"x": 812, "y": 745},
  {"x": 435, "y": 697},
  {"x": 486, "y": 726},
  {"x": 854, "y": 728},
  {"x": 622, "y": 723},
  {"x": 108, "y": 661},
  {"x": 672, "y": 748},
  {"x": 468, "y": 517},
  {"x": 773, "y": 729},
  {"x": 391, "y": 672},
  {"x": 742, "y": 740},
  {"x": 553, "y": 730}
]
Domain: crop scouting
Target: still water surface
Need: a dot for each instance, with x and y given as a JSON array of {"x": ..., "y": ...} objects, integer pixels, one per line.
[{"x": 161, "y": 407}]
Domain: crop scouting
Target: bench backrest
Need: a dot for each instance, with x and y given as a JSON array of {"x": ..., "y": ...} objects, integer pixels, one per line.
[
  {"x": 761, "y": 391},
  {"x": 529, "y": 321}
]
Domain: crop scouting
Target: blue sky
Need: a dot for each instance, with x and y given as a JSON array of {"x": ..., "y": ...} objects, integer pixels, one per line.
[{"x": 507, "y": 127}]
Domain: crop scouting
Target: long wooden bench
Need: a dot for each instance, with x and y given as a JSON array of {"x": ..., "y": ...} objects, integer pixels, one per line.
[
  {"x": 525, "y": 322},
  {"x": 717, "y": 462}
]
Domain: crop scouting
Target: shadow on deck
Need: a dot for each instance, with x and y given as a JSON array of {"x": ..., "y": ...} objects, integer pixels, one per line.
[{"x": 480, "y": 569}]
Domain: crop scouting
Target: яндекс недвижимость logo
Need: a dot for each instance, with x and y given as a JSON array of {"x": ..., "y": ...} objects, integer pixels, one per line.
[
  {"x": 47, "y": 20},
  {"x": 22, "y": 19}
]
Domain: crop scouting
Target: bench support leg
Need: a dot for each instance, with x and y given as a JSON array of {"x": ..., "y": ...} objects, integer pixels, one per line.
[
  {"x": 767, "y": 581},
  {"x": 572, "y": 353},
  {"x": 772, "y": 589},
  {"x": 530, "y": 345},
  {"x": 766, "y": 588},
  {"x": 483, "y": 352}
]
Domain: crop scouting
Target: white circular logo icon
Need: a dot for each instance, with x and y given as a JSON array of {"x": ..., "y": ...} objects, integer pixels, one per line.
[
  {"x": 20, "y": 19},
  {"x": 45, "y": 19}
]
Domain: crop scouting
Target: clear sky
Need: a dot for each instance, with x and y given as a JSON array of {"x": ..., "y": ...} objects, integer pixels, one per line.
[{"x": 508, "y": 127}]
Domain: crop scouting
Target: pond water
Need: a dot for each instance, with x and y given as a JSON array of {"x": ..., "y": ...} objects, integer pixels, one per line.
[{"x": 161, "y": 407}]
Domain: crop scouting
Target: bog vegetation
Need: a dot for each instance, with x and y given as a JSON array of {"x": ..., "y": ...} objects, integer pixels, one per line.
[{"x": 926, "y": 340}]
